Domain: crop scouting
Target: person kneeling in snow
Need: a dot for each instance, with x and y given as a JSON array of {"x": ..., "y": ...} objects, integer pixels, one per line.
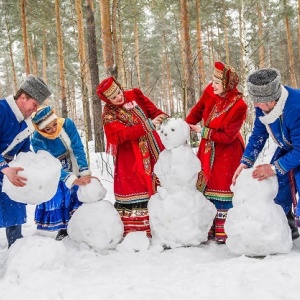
[
  {"x": 15, "y": 129},
  {"x": 60, "y": 137},
  {"x": 277, "y": 110}
]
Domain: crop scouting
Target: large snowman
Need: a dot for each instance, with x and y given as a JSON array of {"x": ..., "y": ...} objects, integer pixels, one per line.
[
  {"x": 256, "y": 225},
  {"x": 96, "y": 222},
  {"x": 179, "y": 214}
]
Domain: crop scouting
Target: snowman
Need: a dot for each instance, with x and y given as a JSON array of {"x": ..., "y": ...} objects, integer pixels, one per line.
[
  {"x": 96, "y": 222},
  {"x": 256, "y": 225},
  {"x": 179, "y": 214}
]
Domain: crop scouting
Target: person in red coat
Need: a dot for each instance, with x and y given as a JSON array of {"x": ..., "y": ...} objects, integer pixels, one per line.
[
  {"x": 221, "y": 112},
  {"x": 129, "y": 121}
]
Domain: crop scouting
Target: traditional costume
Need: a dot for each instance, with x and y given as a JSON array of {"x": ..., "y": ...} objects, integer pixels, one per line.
[
  {"x": 221, "y": 145},
  {"x": 135, "y": 145},
  {"x": 64, "y": 144},
  {"x": 283, "y": 125},
  {"x": 14, "y": 138}
]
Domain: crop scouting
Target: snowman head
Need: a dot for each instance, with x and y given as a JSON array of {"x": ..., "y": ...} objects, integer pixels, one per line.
[
  {"x": 248, "y": 189},
  {"x": 174, "y": 132}
]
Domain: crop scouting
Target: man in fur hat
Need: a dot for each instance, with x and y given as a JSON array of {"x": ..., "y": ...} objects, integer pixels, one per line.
[
  {"x": 15, "y": 129},
  {"x": 277, "y": 110}
]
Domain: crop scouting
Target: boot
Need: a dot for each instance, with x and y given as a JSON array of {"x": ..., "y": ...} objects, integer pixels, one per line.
[
  {"x": 211, "y": 233},
  {"x": 291, "y": 221},
  {"x": 220, "y": 235},
  {"x": 62, "y": 233}
]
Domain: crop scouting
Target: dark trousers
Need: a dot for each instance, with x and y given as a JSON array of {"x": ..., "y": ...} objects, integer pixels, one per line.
[{"x": 13, "y": 233}]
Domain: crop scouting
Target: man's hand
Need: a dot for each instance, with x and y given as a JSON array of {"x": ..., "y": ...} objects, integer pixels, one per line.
[
  {"x": 12, "y": 175},
  {"x": 262, "y": 172}
]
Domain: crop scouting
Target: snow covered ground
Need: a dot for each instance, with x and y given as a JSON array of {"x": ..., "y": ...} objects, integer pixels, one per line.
[{"x": 38, "y": 267}]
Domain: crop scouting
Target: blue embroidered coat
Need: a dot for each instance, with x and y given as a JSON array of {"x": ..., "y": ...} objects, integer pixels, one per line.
[
  {"x": 14, "y": 138},
  {"x": 68, "y": 148},
  {"x": 283, "y": 125}
]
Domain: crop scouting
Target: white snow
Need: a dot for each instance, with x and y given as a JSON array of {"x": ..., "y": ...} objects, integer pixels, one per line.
[
  {"x": 179, "y": 214},
  {"x": 38, "y": 168},
  {"x": 38, "y": 267},
  {"x": 256, "y": 225},
  {"x": 91, "y": 192}
]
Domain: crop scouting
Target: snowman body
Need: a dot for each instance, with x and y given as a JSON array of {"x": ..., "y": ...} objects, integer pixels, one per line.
[
  {"x": 179, "y": 214},
  {"x": 256, "y": 225},
  {"x": 96, "y": 222}
]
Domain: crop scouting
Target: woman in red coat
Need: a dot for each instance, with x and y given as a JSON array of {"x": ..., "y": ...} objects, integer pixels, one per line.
[
  {"x": 129, "y": 120},
  {"x": 221, "y": 112}
]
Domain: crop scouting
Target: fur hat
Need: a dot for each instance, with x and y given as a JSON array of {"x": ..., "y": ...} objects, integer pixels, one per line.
[
  {"x": 264, "y": 85},
  {"x": 43, "y": 117},
  {"x": 36, "y": 88}
]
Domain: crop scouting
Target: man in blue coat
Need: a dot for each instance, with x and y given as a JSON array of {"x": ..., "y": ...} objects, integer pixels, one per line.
[
  {"x": 277, "y": 114},
  {"x": 15, "y": 129}
]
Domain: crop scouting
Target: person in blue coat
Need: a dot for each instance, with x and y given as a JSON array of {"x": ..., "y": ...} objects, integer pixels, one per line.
[
  {"x": 277, "y": 115},
  {"x": 15, "y": 129},
  {"x": 60, "y": 137}
]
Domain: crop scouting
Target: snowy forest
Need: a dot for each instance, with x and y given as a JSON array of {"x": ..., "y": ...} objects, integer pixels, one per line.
[{"x": 166, "y": 48}]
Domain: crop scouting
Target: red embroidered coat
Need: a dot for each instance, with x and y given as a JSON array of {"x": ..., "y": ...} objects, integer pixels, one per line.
[
  {"x": 135, "y": 144},
  {"x": 221, "y": 146}
]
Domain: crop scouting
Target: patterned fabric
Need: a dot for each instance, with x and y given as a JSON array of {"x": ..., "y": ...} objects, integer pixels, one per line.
[
  {"x": 68, "y": 148},
  {"x": 220, "y": 235},
  {"x": 135, "y": 145},
  {"x": 223, "y": 118},
  {"x": 134, "y": 217}
]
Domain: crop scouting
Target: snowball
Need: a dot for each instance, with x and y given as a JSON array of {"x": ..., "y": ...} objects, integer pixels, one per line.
[
  {"x": 91, "y": 192},
  {"x": 256, "y": 225},
  {"x": 42, "y": 171},
  {"x": 134, "y": 241},
  {"x": 97, "y": 224}
]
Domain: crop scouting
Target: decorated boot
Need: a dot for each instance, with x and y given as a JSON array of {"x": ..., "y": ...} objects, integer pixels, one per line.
[{"x": 220, "y": 235}]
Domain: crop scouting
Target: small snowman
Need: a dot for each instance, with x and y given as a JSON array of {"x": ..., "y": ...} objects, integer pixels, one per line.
[
  {"x": 179, "y": 214},
  {"x": 96, "y": 222},
  {"x": 256, "y": 225}
]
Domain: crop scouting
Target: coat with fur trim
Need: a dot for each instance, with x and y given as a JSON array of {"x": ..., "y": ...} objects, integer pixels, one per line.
[
  {"x": 283, "y": 125},
  {"x": 14, "y": 138},
  {"x": 68, "y": 148}
]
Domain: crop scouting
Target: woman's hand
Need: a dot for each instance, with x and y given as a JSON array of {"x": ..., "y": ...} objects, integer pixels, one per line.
[
  {"x": 238, "y": 172},
  {"x": 84, "y": 180},
  {"x": 158, "y": 119},
  {"x": 195, "y": 128},
  {"x": 130, "y": 105}
]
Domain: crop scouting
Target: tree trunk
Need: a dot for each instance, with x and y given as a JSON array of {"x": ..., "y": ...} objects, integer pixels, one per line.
[
  {"x": 199, "y": 47},
  {"x": 24, "y": 33},
  {"x": 290, "y": 50},
  {"x": 83, "y": 74},
  {"x": 45, "y": 56},
  {"x": 189, "y": 89},
  {"x": 137, "y": 52},
  {"x": 61, "y": 64},
  {"x": 13, "y": 69},
  {"x": 227, "y": 59},
  {"x": 117, "y": 39},
  {"x": 107, "y": 46},
  {"x": 261, "y": 52},
  {"x": 93, "y": 64}
]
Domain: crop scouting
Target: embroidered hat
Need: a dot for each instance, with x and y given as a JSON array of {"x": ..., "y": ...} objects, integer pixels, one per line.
[
  {"x": 44, "y": 116},
  {"x": 227, "y": 75},
  {"x": 264, "y": 85},
  {"x": 36, "y": 88},
  {"x": 108, "y": 88}
]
